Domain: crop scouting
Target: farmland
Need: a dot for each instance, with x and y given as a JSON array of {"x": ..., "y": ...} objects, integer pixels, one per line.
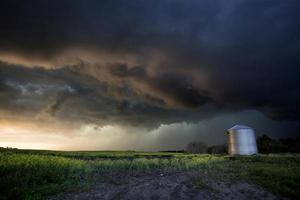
[{"x": 33, "y": 174}]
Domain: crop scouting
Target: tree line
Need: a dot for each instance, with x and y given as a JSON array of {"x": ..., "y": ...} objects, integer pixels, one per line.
[{"x": 265, "y": 144}]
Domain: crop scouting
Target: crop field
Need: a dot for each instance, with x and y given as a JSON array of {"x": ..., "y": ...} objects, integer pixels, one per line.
[{"x": 32, "y": 174}]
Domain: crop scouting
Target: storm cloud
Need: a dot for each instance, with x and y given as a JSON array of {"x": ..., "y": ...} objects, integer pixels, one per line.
[{"x": 147, "y": 63}]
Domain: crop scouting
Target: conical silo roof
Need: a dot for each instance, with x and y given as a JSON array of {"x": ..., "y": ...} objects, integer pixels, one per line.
[{"x": 237, "y": 127}]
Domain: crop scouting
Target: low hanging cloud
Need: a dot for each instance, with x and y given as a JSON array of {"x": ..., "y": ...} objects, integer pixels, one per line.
[{"x": 174, "y": 136}]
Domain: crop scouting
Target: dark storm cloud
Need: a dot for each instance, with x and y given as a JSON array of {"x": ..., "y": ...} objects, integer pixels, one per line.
[
  {"x": 70, "y": 96},
  {"x": 173, "y": 85},
  {"x": 152, "y": 62}
]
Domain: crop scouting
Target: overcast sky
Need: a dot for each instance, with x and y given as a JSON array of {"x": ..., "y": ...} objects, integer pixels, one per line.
[{"x": 146, "y": 75}]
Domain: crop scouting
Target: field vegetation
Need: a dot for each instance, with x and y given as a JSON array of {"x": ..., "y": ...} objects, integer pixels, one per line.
[{"x": 32, "y": 174}]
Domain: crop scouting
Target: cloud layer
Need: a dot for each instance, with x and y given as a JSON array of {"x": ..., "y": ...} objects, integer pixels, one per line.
[{"x": 147, "y": 63}]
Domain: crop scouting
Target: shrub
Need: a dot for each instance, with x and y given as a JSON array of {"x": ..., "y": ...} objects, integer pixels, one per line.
[{"x": 216, "y": 149}]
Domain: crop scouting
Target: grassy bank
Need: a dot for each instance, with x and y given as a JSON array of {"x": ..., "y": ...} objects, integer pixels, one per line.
[{"x": 27, "y": 174}]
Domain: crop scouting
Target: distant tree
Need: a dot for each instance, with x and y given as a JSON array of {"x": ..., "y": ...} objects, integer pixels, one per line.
[
  {"x": 265, "y": 144},
  {"x": 196, "y": 147},
  {"x": 217, "y": 149}
]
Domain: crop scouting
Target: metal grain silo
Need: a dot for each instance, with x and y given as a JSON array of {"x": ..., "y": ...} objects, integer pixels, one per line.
[{"x": 241, "y": 140}]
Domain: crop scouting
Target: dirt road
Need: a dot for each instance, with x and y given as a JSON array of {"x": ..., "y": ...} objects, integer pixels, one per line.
[{"x": 169, "y": 185}]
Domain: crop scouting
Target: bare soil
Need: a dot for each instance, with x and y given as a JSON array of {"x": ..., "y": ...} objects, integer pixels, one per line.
[{"x": 169, "y": 185}]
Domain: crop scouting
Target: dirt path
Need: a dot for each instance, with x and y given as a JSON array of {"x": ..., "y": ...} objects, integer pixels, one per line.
[{"x": 170, "y": 185}]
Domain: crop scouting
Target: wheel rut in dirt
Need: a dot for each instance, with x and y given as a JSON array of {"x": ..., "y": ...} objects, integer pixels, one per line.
[{"x": 169, "y": 185}]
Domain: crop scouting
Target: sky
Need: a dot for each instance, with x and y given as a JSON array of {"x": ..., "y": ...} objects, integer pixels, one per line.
[{"x": 146, "y": 75}]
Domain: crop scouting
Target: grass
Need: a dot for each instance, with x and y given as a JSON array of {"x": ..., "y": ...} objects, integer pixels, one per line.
[
  {"x": 277, "y": 173},
  {"x": 31, "y": 174}
]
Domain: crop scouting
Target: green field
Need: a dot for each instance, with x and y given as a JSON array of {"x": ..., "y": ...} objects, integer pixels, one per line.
[{"x": 32, "y": 174}]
